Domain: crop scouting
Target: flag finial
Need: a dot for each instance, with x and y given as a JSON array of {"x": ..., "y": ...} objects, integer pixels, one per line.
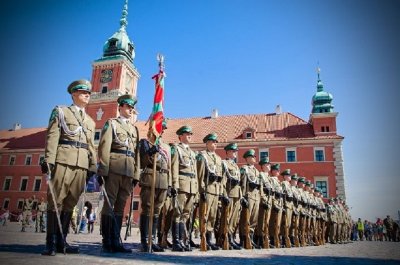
[{"x": 160, "y": 59}]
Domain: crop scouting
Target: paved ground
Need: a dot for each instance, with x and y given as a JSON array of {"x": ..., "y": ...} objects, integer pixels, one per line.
[{"x": 25, "y": 248}]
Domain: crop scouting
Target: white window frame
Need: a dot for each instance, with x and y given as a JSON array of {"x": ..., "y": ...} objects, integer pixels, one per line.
[
  {"x": 20, "y": 184},
  {"x": 4, "y": 183},
  {"x": 40, "y": 156},
  {"x": 263, "y": 150},
  {"x": 295, "y": 154},
  {"x": 34, "y": 183},
  {"x": 20, "y": 200},
  {"x": 322, "y": 178},
  {"x": 319, "y": 149},
  {"x": 4, "y": 203},
  {"x": 26, "y": 160},
  {"x": 15, "y": 160}
]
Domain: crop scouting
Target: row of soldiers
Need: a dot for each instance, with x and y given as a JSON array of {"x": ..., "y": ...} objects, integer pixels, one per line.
[{"x": 225, "y": 198}]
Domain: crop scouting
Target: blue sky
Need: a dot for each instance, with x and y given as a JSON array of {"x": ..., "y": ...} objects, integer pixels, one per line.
[{"x": 237, "y": 56}]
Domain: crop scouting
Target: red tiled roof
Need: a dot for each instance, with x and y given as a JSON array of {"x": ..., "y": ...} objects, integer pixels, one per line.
[{"x": 278, "y": 127}]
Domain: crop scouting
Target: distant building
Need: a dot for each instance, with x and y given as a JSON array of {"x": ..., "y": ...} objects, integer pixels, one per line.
[{"x": 309, "y": 148}]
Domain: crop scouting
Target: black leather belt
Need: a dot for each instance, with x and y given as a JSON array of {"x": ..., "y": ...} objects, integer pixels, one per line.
[
  {"x": 190, "y": 175},
  {"x": 289, "y": 199},
  {"x": 124, "y": 152},
  {"x": 74, "y": 144},
  {"x": 161, "y": 170}
]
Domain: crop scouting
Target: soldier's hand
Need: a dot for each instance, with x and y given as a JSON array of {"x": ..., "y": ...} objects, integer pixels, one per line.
[
  {"x": 134, "y": 182},
  {"x": 244, "y": 202},
  {"x": 203, "y": 196},
  {"x": 100, "y": 180},
  {"x": 225, "y": 200},
  {"x": 173, "y": 192},
  {"x": 154, "y": 149}
]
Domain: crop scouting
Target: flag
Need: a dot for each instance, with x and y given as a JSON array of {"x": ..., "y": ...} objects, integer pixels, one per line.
[{"x": 157, "y": 115}]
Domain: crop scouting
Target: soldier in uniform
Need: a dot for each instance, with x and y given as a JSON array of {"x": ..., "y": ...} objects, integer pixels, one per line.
[
  {"x": 265, "y": 208},
  {"x": 119, "y": 167},
  {"x": 163, "y": 180},
  {"x": 313, "y": 217},
  {"x": 288, "y": 206},
  {"x": 184, "y": 187},
  {"x": 308, "y": 232},
  {"x": 233, "y": 190},
  {"x": 340, "y": 220},
  {"x": 332, "y": 217},
  {"x": 252, "y": 191},
  {"x": 277, "y": 206},
  {"x": 303, "y": 212},
  {"x": 209, "y": 168},
  {"x": 27, "y": 213},
  {"x": 297, "y": 208},
  {"x": 70, "y": 160},
  {"x": 40, "y": 216}
]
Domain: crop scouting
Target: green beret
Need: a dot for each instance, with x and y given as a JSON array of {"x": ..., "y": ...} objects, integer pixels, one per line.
[
  {"x": 184, "y": 129},
  {"x": 127, "y": 99},
  {"x": 316, "y": 189},
  {"x": 301, "y": 180},
  {"x": 231, "y": 146},
  {"x": 250, "y": 152},
  {"x": 286, "y": 172},
  {"x": 308, "y": 183},
  {"x": 210, "y": 137},
  {"x": 82, "y": 84},
  {"x": 294, "y": 177},
  {"x": 275, "y": 167},
  {"x": 263, "y": 161}
]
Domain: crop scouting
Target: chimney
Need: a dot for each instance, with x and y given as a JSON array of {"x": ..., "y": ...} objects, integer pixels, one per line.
[
  {"x": 17, "y": 126},
  {"x": 214, "y": 114},
  {"x": 278, "y": 109}
]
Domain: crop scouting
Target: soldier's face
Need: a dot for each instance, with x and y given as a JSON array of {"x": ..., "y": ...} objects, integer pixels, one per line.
[
  {"x": 266, "y": 167},
  {"x": 186, "y": 138},
  {"x": 211, "y": 145},
  {"x": 251, "y": 160},
  {"x": 126, "y": 111},
  {"x": 231, "y": 154},
  {"x": 300, "y": 184},
  {"x": 293, "y": 182},
  {"x": 274, "y": 172},
  {"x": 81, "y": 98}
]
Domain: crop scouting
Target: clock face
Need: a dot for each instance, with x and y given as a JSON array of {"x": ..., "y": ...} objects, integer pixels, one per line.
[{"x": 106, "y": 75}]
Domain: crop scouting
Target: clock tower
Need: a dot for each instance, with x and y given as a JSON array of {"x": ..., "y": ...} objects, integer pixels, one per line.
[{"x": 113, "y": 75}]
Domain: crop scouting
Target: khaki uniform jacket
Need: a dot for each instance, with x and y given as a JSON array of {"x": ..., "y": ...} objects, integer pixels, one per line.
[
  {"x": 209, "y": 162},
  {"x": 277, "y": 202},
  {"x": 118, "y": 135},
  {"x": 42, "y": 207},
  {"x": 266, "y": 184},
  {"x": 28, "y": 204},
  {"x": 312, "y": 202},
  {"x": 287, "y": 190},
  {"x": 232, "y": 177},
  {"x": 250, "y": 175},
  {"x": 304, "y": 198},
  {"x": 163, "y": 165},
  {"x": 184, "y": 161},
  {"x": 63, "y": 121},
  {"x": 332, "y": 216},
  {"x": 296, "y": 197}
]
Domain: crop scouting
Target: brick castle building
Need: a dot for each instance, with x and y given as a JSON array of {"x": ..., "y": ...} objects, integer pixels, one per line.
[{"x": 310, "y": 148}]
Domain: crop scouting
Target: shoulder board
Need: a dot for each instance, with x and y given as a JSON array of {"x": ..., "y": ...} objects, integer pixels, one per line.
[
  {"x": 53, "y": 114},
  {"x": 242, "y": 170},
  {"x": 173, "y": 149},
  {"x": 199, "y": 157},
  {"x": 106, "y": 125}
]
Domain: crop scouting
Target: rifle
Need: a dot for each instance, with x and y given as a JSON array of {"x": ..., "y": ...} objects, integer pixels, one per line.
[
  {"x": 129, "y": 225},
  {"x": 223, "y": 234}
]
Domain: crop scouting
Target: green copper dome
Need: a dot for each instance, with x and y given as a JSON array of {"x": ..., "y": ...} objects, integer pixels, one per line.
[
  {"x": 322, "y": 100},
  {"x": 119, "y": 44}
]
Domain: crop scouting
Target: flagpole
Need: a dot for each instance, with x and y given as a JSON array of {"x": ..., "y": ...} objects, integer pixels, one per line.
[{"x": 160, "y": 59}]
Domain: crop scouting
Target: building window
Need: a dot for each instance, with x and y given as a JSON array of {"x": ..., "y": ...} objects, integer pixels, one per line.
[
  {"x": 41, "y": 159},
  {"x": 130, "y": 49},
  {"x": 264, "y": 153},
  {"x": 113, "y": 44},
  {"x": 37, "y": 184},
  {"x": 322, "y": 128},
  {"x": 248, "y": 135},
  {"x": 319, "y": 154},
  {"x": 104, "y": 90},
  {"x": 20, "y": 204},
  {"x": 323, "y": 186},
  {"x": 135, "y": 205},
  {"x": 24, "y": 184},
  {"x": 97, "y": 135},
  {"x": 290, "y": 155},
  {"x": 327, "y": 129},
  {"x": 12, "y": 160},
  {"x": 6, "y": 203},
  {"x": 7, "y": 183},
  {"x": 28, "y": 160}
]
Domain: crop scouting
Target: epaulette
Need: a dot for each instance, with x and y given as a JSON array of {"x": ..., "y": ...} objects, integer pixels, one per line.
[
  {"x": 199, "y": 157},
  {"x": 106, "y": 125},
  {"x": 173, "y": 149},
  {"x": 242, "y": 170},
  {"x": 53, "y": 115}
]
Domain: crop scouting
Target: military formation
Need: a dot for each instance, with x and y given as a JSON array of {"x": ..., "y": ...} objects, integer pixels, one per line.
[{"x": 261, "y": 205}]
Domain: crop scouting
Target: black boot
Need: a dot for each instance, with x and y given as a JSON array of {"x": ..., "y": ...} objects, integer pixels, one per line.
[
  {"x": 183, "y": 237},
  {"x": 208, "y": 240},
  {"x": 62, "y": 244},
  {"x": 176, "y": 246},
  {"x": 144, "y": 232},
  {"x": 233, "y": 243},
  {"x": 255, "y": 240},
  {"x": 116, "y": 241},
  {"x": 106, "y": 228},
  {"x": 51, "y": 234},
  {"x": 155, "y": 247}
]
